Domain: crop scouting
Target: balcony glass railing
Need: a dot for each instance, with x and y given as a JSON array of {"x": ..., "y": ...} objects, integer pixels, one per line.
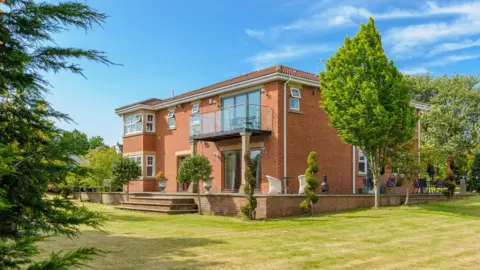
[{"x": 242, "y": 117}]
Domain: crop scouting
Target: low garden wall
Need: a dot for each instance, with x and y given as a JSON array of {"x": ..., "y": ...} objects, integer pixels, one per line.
[
  {"x": 271, "y": 206},
  {"x": 105, "y": 197}
]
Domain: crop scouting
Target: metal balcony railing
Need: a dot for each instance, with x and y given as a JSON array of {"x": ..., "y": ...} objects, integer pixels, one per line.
[{"x": 232, "y": 119}]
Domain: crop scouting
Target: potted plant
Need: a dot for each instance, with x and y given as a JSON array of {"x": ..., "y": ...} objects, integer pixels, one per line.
[{"x": 162, "y": 181}]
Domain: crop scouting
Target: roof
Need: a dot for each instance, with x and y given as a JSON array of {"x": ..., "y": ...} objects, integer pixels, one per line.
[{"x": 242, "y": 78}]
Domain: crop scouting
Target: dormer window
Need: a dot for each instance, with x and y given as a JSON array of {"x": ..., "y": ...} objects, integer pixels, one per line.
[
  {"x": 171, "y": 119},
  {"x": 133, "y": 124},
  {"x": 195, "y": 108}
]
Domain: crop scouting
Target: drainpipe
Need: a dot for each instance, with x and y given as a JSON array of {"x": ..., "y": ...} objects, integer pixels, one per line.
[
  {"x": 354, "y": 163},
  {"x": 285, "y": 135}
]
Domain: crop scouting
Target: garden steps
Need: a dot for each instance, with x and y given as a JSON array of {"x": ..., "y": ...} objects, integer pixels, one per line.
[{"x": 161, "y": 203}]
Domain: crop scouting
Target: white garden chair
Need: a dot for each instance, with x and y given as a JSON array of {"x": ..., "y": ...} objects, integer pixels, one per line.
[
  {"x": 275, "y": 185},
  {"x": 302, "y": 183}
]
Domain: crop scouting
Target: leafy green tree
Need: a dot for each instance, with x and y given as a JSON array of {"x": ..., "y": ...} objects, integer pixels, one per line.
[
  {"x": 100, "y": 162},
  {"x": 312, "y": 185},
  {"x": 96, "y": 142},
  {"x": 451, "y": 125},
  {"x": 248, "y": 209},
  {"x": 33, "y": 151},
  {"x": 125, "y": 170},
  {"x": 404, "y": 163},
  {"x": 367, "y": 99},
  {"x": 475, "y": 174},
  {"x": 193, "y": 170}
]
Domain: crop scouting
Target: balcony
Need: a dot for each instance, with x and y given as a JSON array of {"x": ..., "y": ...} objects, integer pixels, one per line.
[{"x": 229, "y": 122}]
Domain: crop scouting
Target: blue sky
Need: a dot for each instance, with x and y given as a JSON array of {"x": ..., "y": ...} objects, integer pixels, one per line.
[{"x": 184, "y": 45}]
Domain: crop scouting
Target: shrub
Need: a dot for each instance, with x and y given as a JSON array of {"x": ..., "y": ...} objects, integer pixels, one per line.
[
  {"x": 312, "y": 184},
  {"x": 474, "y": 182},
  {"x": 193, "y": 170},
  {"x": 65, "y": 190},
  {"x": 248, "y": 209}
]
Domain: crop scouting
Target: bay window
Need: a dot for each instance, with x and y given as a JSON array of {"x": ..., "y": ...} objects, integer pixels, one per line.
[
  {"x": 133, "y": 124},
  {"x": 150, "y": 123},
  {"x": 150, "y": 166}
]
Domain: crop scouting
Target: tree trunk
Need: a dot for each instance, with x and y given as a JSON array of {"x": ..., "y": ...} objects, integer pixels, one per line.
[
  {"x": 376, "y": 189},
  {"x": 80, "y": 194},
  {"x": 407, "y": 191},
  {"x": 101, "y": 196},
  {"x": 128, "y": 191},
  {"x": 199, "y": 202}
]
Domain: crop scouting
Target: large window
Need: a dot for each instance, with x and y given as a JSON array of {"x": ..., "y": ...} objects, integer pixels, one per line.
[
  {"x": 150, "y": 166},
  {"x": 241, "y": 111},
  {"x": 362, "y": 163},
  {"x": 295, "y": 97},
  {"x": 150, "y": 123},
  {"x": 232, "y": 169},
  {"x": 138, "y": 160},
  {"x": 133, "y": 124}
]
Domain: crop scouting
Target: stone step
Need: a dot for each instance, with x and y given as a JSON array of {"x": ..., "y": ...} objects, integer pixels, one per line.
[
  {"x": 162, "y": 200},
  {"x": 161, "y": 206},
  {"x": 167, "y": 212}
]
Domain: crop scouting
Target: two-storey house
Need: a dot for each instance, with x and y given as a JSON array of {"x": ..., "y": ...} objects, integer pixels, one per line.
[{"x": 273, "y": 112}]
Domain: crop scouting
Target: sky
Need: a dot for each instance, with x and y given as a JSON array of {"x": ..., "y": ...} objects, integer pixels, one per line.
[{"x": 184, "y": 45}]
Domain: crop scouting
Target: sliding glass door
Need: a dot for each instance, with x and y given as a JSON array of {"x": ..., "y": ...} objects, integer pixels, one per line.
[
  {"x": 233, "y": 172},
  {"x": 241, "y": 111}
]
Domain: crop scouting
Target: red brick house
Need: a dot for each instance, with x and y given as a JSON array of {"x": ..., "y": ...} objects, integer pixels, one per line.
[{"x": 222, "y": 120}]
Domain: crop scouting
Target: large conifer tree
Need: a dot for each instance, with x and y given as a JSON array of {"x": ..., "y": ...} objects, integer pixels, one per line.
[{"x": 33, "y": 151}]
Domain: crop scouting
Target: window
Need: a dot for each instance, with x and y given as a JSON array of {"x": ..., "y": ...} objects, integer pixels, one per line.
[
  {"x": 195, "y": 108},
  {"x": 138, "y": 160},
  {"x": 295, "y": 97},
  {"x": 150, "y": 166},
  {"x": 171, "y": 118},
  {"x": 133, "y": 124},
  {"x": 150, "y": 123},
  {"x": 362, "y": 163},
  {"x": 242, "y": 111},
  {"x": 181, "y": 187}
]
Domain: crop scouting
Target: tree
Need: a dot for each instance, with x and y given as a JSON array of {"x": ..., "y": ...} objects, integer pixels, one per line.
[
  {"x": 33, "y": 151},
  {"x": 125, "y": 170},
  {"x": 404, "y": 162},
  {"x": 475, "y": 174},
  {"x": 193, "y": 170},
  {"x": 96, "y": 142},
  {"x": 451, "y": 125},
  {"x": 100, "y": 162},
  {"x": 367, "y": 99},
  {"x": 312, "y": 185},
  {"x": 248, "y": 209}
]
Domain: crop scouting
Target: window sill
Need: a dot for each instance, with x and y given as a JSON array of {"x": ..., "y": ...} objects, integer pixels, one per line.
[
  {"x": 295, "y": 111},
  {"x": 171, "y": 128},
  {"x": 139, "y": 133}
]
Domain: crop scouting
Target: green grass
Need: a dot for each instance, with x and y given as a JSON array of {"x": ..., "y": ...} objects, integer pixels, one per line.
[{"x": 432, "y": 236}]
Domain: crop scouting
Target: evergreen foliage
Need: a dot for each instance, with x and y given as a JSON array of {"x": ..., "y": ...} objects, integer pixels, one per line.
[
  {"x": 248, "y": 209},
  {"x": 367, "y": 99},
  {"x": 312, "y": 185},
  {"x": 33, "y": 151},
  {"x": 475, "y": 174},
  {"x": 193, "y": 170}
]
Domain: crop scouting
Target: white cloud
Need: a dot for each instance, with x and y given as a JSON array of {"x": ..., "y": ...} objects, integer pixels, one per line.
[
  {"x": 451, "y": 59},
  {"x": 285, "y": 53},
  {"x": 255, "y": 34},
  {"x": 454, "y": 46},
  {"x": 323, "y": 19},
  {"x": 412, "y": 71}
]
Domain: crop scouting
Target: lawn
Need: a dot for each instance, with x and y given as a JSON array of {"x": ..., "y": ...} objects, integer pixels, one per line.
[{"x": 436, "y": 235}]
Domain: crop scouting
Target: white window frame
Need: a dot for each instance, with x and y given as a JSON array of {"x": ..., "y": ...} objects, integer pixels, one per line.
[
  {"x": 151, "y": 165},
  {"x": 133, "y": 123},
  {"x": 135, "y": 158},
  {"x": 150, "y": 122},
  {"x": 362, "y": 158},
  {"x": 171, "y": 115},
  {"x": 195, "y": 108},
  {"x": 295, "y": 95}
]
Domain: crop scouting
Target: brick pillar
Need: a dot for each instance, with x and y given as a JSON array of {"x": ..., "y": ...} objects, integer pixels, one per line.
[
  {"x": 245, "y": 148},
  {"x": 193, "y": 151}
]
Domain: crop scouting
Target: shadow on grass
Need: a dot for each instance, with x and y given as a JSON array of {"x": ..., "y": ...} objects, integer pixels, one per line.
[
  {"x": 468, "y": 207},
  {"x": 134, "y": 252}
]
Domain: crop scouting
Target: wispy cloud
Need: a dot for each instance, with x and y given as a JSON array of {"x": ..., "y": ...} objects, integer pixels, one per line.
[
  {"x": 451, "y": 59},
  {"x": 324, "y": 19},
  {"x": 255, "y": 34},
  {"x": 286, "y": 53},
  {"x": 412, "y": 71},
  {"x": 454, "y": 46}
]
